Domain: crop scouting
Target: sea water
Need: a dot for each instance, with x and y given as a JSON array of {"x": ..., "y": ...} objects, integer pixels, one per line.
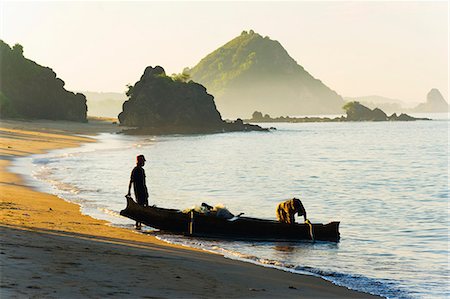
[{"x": 386, "y": 182}]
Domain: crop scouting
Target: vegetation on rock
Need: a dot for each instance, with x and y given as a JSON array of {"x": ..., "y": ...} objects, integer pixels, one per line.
[{"x": 29, "y": 90}]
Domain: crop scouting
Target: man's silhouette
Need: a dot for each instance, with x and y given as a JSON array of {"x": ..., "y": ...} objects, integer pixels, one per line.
[{"x": 137, "y": 179}]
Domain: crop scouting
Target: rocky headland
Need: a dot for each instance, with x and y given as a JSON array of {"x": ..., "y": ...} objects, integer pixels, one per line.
[
  {"x": 31, "y": 91},
  {"x": 355, "y": 111},
  {"x": 160, "y": 104}
]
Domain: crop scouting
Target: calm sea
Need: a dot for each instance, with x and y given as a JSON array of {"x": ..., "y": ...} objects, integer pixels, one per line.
[{"x": 387, "y": 183}]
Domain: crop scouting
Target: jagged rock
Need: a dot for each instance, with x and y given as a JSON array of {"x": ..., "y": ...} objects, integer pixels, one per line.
[
  {"x": 404, "y": 117},
  {"x": 29, "y": 90},
  {"x": 357, "y": 112},
  {"x": 393, "y": 117},
  {"x": 378, "y": 115},
  {"x": 159, "y": 104}
]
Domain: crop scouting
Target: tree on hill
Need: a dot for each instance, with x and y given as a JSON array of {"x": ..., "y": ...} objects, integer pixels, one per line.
[
  {"x": 257, "y": 115},
  {"x": 183, "y": 76}
]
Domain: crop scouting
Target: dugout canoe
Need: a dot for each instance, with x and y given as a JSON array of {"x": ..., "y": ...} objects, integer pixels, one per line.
[{"x": 243, "y": 228}]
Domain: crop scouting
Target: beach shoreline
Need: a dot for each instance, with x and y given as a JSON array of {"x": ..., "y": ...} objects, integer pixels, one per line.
[{"x": 49, "y": 249}]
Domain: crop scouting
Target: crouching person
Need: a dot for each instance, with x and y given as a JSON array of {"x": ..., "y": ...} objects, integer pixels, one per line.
[{"x": 286, "y": 211}]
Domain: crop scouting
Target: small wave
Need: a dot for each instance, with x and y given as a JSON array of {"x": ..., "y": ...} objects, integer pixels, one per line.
[
  {"x": 42, "y": 161},
  {"x": 44, "y": 175},
  {"x": 47, "y": 159},
  {"x": 110, "y": 212},
  {"x": 65, "y": 187}
]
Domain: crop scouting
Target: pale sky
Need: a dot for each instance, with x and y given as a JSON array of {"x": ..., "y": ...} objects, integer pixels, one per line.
[{"x": 393, "y": 49}]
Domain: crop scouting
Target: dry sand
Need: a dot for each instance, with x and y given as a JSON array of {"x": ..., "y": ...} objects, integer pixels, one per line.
[{"x": 50, "y": 250}]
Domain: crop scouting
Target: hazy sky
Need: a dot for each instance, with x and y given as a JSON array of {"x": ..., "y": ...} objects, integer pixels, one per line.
[{"x": 393, "y": 49}]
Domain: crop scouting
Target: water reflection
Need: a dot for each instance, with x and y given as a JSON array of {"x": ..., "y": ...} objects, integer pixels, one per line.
[{"x": 284, "y": 248}]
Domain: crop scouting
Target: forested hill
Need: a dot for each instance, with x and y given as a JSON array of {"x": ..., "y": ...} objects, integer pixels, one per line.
[
  {"x": 29, "y": 90},
  {"x": 252, "y": 72}
]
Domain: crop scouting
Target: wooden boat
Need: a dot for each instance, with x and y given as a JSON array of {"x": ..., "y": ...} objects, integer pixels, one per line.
[{"x": 242, "y": 228}]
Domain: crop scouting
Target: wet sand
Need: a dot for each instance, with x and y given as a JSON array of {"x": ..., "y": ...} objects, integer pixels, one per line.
[{"x": 50, "y": 250}]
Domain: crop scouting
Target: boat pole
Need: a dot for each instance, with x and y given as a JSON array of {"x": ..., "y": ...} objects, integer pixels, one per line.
[
  {"x": 191, "y": 223},
  {"x": 311, "y": 234}
]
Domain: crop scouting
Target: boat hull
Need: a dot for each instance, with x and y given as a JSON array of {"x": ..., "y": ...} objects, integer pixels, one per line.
[{"x": 243, "y": 228}]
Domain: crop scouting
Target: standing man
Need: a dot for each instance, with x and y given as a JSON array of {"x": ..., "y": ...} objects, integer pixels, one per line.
[{"x": 140, "y": 188}]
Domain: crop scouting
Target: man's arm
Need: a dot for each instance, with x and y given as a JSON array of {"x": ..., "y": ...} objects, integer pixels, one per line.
[
  {"x": 302, "y": 212},
  {"x": 129, "y": 185},
  {"x": 144, "y": 182}
]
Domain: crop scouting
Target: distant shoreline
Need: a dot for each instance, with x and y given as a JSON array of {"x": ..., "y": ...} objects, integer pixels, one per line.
[{"x": 355, "y": 112}]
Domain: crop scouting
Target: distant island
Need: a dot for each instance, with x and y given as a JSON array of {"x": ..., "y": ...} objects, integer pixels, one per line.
[
  {"x": 355, "y": 112},
  {"x": 160, "y": 104},
  {"x": 252, "y": 72},
  {"x": 31, "y": 91},
  {"x": 435, "y": 103}
]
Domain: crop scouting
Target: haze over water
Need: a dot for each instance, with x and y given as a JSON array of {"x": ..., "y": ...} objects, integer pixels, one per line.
[{"x": 387, "y": 183}]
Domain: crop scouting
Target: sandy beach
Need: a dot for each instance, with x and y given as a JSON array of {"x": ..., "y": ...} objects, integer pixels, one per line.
[{"x": 50, "y": 250}]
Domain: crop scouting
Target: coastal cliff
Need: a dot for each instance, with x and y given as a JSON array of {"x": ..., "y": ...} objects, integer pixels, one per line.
[{"x": 31, "y": 91}]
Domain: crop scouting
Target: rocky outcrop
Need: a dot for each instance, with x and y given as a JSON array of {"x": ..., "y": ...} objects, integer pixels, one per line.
[
  {"x": 404, "y": 117},
  {"x": 159, "y": 104},
  {"x": 31, "y": 91},
  {"x": 388, "y": 105},
  {"x": 355, "y": 112},
  {"x": 435, "y": 103}
]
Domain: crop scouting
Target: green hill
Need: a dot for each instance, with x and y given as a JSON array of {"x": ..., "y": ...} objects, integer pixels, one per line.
[
  {"x": 29, "y": 90},
  {"x": 252, "y": 72}
]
